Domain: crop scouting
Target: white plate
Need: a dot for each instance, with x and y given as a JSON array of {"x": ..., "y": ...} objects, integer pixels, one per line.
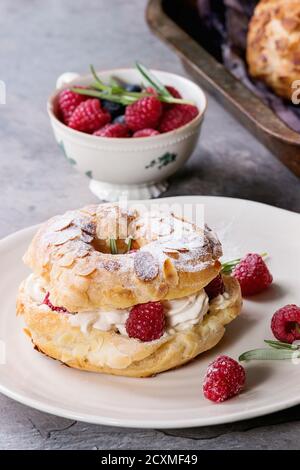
[{"x": 173, "y": 399}]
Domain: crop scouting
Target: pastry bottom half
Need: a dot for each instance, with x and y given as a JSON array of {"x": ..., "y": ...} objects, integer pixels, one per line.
[{"x": 112, "y": 353}]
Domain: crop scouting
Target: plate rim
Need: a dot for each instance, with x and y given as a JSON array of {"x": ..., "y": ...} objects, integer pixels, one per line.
[
  {"x": 155, "y": 424},
  {"x": 149, "y": 424}
]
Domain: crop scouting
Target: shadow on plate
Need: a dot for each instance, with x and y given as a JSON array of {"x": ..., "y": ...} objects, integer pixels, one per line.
[
  {"x": 274, "y": 292},
  {"x": 257, "y": 373},
  {"x": 234, "y": 331}
]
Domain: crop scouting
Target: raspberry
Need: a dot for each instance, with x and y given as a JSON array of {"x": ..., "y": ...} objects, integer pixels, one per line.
[
  {"x": 151, "y": 91},
  {"x": 172, "y": 90},
  {"x": 177, "y": 116},
  {"x": 215, "y": 287},
  {"x": 146, "y": 322},
  {"x": 144, "y": 113},
  {"x": 252, "y": 274},
  {"x": 89, "y": 116},
  {"x": 285, "y": 324},
  {"x": 68, "y": 102},
  {"x": 224, "y": 379},
  {"x": 113, "y": 130},
  {"x": 175, "y": 93},
  {"x": 146, "y": 133},
  {"x": 47, "y": 301}
]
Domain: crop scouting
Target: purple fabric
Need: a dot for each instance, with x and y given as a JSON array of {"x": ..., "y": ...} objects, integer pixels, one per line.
[{"x": 229, "y": 20}]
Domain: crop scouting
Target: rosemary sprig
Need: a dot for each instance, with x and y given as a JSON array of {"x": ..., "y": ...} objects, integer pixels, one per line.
[
  {"x": 116, "y": 93},
  {"x": 229, "y": 265},
  {"x": 97, "y": 79},
  {"x": 281, "y": 345},
  {"x": 152, "y": 80},
  {"x": 113, "y": 246},
  {"x": 127, "y": 97},
  {"x": 269, "y": 354},
  {"x": 129, "y": 243},
  {"x": 116, "y": 98},
  {"x": 112, "y": 88},
  {"x": 113, "y": 81},
  {"x": 279, "y": 351}
]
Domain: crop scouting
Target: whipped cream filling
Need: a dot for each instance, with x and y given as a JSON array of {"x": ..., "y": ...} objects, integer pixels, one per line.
[
  {"x": 181, "y": 314},
  {"x": 35, "y": 288},
  {"x": 221, "y": 301}
]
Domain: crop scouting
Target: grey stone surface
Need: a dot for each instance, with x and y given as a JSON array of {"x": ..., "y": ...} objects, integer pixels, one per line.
[{"x": 39, "y": 41}]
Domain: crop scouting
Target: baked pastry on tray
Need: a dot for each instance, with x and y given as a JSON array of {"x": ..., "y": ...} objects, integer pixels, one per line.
[
  {"x": 273, "y": 45},
  {"x": 123, "y": 291}
]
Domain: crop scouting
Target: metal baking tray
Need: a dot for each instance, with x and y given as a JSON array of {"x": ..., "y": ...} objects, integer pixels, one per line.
[{"x": 250, "y": 111}]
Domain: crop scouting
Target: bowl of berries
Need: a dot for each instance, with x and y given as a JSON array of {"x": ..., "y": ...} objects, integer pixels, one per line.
[{"x": 128, "y": 130}]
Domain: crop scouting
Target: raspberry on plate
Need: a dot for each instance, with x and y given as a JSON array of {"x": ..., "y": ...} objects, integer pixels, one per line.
[
  {"x": 144, "y": 113},
  {"x": 47, "y": 301},
  {"x": 146, "y": 322},
  {"x": 252, "y": 274},
  {"x": 89, "y": 116},
  {"x": 224, "y": 379},
  {"x": 146, "y": 133},
  {"x": 285, "y": 323},
  {"x": 68, "y": 101},
  {"x": 215, "y": 287},
  {"x": 177, "y": 116},
  {"x": 113, "y": 130}
]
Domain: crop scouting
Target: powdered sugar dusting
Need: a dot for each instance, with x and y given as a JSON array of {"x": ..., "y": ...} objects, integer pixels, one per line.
[
  {"x": 59, "y": 238},
  {"x": 61, "y": 223},
  {"x": 145, "y": 266},
  {"x": 159, "y": 236}
]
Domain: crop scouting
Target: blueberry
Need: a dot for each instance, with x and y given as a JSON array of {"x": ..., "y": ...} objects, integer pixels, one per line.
[
  {"x": 119, "y": 119},
  {"x": 132, "y": 87},
  {"x": 115, "y": 109}
]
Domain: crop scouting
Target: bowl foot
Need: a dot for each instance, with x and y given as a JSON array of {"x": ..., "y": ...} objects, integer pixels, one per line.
[{"x": 114, "y": 192}]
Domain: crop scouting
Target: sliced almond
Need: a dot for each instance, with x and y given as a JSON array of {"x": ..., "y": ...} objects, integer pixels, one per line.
[
  {"x": 89, "y": 227},
  {"x": 91, "y": 210},
  {"x": 27, "y": 332},
  {"x": 170, "y": 273},
  {"x": 80, "y": 249},
  {"x": 59, "y": 238},
  {"x": 61, "y": 223},
  {"x": 172, "y": 254},
  {"x": 67, "y": 260},
  {"x": 85, "y": 269},
  {"x": 85, "y": 237}
]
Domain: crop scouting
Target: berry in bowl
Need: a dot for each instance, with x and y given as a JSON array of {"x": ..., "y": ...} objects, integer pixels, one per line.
[{"x": 128, "y": 130}]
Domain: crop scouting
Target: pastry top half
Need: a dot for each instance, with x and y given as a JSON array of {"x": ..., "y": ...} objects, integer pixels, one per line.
[
  {"x": 273, "y": 45},
  {"x": 169, "y": 257}
]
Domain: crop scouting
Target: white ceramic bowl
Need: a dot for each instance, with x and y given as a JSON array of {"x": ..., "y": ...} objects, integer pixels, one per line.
[{"x": 136, "y": 168}]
